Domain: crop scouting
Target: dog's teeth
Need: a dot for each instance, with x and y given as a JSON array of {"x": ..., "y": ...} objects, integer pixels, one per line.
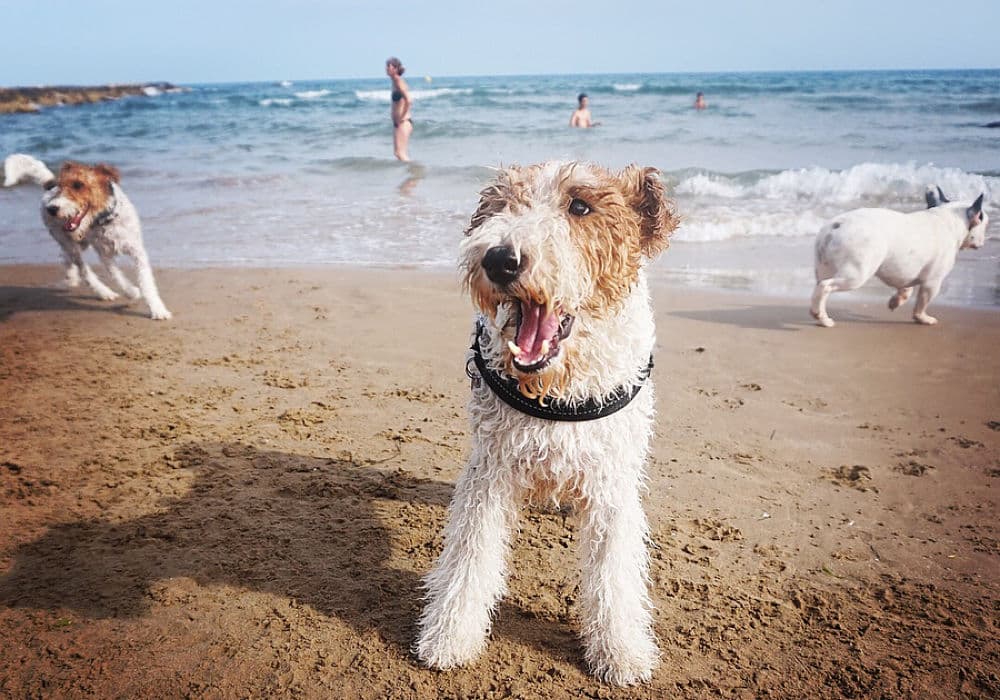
[
  {"x": 545, "y": 347},
  {"x": 514, "y": 350}
]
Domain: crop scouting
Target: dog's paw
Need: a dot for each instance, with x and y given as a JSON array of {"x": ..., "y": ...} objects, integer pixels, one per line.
[
  {"x": 160, "y": 314},
  {"x": 132, "y": 292},
  {"x": 444, "y": 651},
  {"x": 924, "y": 320},
  {"x": 106, "y": 295},
  {"x": 824, "y": 321},
  {"x": 899, "y": 298},
  {"x": 624, "y": 665}
]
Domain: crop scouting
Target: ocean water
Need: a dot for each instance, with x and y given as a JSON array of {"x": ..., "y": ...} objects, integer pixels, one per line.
[{"x": 288, "y": 173}]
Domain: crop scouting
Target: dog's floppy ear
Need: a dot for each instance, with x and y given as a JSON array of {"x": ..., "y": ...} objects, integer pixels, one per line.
[
  {"x": 931, "y": 197},
  {"x": 974, "y": 214},
  {"x": 941, "y": 198},
  {"x": 109, "y": 171},
  {"x": 495, "y": 197},
  {"x": 657, "y": 218}
]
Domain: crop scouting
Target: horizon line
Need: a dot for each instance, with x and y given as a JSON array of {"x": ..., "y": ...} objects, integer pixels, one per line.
[{"x": 513, "y": 75}]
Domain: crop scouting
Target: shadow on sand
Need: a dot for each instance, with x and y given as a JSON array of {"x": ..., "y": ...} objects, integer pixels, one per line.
[
  {"x": 777, "y": 318},
  {"x": 15, "y": 299},
  {"x": 307, "y": 528}
]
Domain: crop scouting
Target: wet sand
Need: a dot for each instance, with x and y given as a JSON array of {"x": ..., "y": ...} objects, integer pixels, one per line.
[{"x": 240, "y": 502}]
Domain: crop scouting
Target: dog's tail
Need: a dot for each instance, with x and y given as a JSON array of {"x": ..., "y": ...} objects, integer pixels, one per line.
[{"x": 19, "y": 168}]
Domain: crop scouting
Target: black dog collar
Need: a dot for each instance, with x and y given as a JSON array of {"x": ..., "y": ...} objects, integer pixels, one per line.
[
  {"x": 506, "y": 389},
  {"x": 105, "y": 217}
]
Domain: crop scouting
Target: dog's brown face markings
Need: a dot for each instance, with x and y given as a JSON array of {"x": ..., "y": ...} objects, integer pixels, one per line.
[
  {"x": 616, "y": 223},
  {"x": 80, "y": 191},
  {"x": 612, "y": 221}
]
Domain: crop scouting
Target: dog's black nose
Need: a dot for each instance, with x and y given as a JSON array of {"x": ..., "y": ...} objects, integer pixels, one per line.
[
  {"x": 501, "y": 264},
  {"x": 52, "y": 209}
]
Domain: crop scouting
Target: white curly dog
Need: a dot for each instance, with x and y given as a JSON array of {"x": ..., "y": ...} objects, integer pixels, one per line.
[
  {"x": 84, "y": 206},
  {"x": 554, "y": 260},
  {"x": 903, "y": 250}
]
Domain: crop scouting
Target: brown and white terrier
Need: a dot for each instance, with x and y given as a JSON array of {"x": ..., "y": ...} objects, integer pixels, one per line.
[
  {"x": 85, "y": 206},
  {"x": 554, "y": 261}
]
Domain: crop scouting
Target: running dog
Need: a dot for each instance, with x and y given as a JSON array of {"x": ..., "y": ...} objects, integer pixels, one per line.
[
  {"x": 903, "y": 250},
  {"x": 84, "y": 206},
  {"x": 562, "y": 404}
]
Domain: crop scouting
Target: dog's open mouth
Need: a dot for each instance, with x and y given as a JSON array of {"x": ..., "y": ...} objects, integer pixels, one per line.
[
  {"x": 73, "y": 223},
  {"x": 539, "y": 332}
]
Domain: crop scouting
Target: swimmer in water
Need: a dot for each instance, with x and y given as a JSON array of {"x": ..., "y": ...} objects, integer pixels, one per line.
[
  {"x": 699, "y": 101},
  {"x": 581, "y": 117},
  {"x": 402, "y": 124}
]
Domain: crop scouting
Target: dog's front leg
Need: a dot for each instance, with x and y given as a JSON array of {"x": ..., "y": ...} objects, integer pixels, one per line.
[
  {"x": 469, "y": 577},
  {"x": 71, "y": 269},
  {"x": 147, "y": 286},
  {"x": 75, "y": 257},
  {"x": 72, "y": 276},
  {"x": 131, "y": 291},
  {"x": 617, "y": 622}
]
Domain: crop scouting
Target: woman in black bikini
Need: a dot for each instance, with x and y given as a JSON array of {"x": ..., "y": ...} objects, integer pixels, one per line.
[{"x": 402, "y": 124}]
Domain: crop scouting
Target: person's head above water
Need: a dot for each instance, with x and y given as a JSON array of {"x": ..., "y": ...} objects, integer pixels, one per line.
[
  {"x": 394, "y": 65},
  {"x": 582, "y": 99}
]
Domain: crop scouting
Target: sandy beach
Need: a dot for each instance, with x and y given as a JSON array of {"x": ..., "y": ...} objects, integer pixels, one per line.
[{"x": 241, "y": 502}]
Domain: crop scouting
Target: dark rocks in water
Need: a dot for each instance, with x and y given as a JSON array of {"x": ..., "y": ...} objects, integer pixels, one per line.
[
  {"x": 992, "y": 125},
  {"x": 33, "y": 99}
]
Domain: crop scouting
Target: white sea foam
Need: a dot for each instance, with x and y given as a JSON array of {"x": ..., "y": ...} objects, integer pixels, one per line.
[
  {"x": 285, "y": 83},
  {"x": 724, "y": 223},
  {"x": 386, "y": 95},
  {"x": 797, "y": 202},
  {"x": 312, "y": 94},
  {"x": 627, "y": 87},
  {"x": 280, "y": 101},
  {"x": 865, "y": 182},
  {"x": 150, "y": 91}
]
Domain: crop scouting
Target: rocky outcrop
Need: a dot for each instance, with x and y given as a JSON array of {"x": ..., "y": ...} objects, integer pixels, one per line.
[{"x": 33, "y": 99}]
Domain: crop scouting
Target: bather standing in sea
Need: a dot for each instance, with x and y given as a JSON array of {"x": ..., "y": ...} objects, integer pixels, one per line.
[{"x": 402, "y": 124}]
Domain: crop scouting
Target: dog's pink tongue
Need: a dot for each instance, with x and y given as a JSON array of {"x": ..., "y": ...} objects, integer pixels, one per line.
[
  {"x": 536, "y": 327},
  {"x": 74, "y": 222}
]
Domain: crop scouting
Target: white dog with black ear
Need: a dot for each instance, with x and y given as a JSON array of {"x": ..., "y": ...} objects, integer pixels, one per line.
[
  {"x": 906, "y": 251},
  {"x": 82, "y": 206},
  {"x": 561, "y": 407}
]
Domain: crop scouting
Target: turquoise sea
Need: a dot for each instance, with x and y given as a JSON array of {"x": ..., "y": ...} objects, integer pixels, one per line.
[{"x": 290, "y": 173}]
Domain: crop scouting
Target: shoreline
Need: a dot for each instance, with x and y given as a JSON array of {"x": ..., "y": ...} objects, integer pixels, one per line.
[{"x": 870, "y": 297}]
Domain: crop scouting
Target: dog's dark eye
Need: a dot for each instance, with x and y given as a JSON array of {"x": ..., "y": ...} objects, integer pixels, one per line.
[
  {"x": 77, "y": 185},
  {"x": 578, "y": 207}
]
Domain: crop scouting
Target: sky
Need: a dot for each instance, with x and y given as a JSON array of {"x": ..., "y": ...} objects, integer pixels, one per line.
[{"x": 64, "y": 42}]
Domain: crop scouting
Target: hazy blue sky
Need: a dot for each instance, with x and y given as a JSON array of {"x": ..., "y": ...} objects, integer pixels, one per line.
[{"x": 188, "y": 41}]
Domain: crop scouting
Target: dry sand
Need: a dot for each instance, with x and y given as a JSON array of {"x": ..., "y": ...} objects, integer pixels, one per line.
[{"x": 240, "y": 502}]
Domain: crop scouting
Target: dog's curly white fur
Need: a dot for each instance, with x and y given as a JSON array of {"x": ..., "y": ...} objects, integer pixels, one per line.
[
  {"x": 906, "y": 251},
  {"x": 554, "y": 262},
  {"x": 84, "y": 205}
]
